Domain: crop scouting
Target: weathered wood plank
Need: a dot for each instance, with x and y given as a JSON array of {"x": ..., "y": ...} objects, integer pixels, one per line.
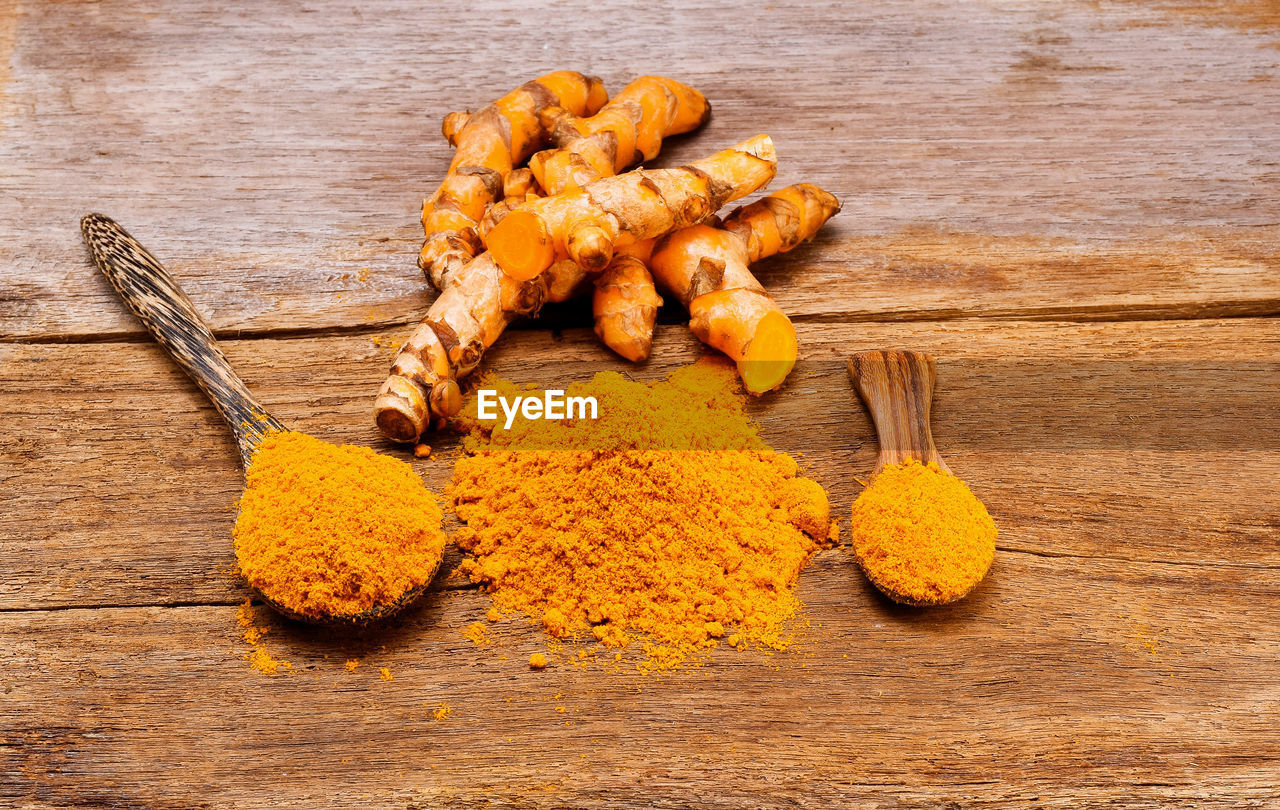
[
  {"x": 1155, "y": 441},
  {"x": 1098, "y": 683},
  {"x": 1079, "y": 160}
]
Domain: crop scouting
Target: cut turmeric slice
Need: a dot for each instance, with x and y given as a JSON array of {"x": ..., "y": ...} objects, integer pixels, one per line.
[
  {"x": 489, "y": 144},
  {"x": 706, "y": 268}
]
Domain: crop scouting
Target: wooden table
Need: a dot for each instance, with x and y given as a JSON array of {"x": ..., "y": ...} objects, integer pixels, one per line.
[{"x": 1073, "y": 205}]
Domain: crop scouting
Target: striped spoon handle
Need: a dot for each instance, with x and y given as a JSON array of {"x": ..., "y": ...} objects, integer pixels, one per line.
[
  {"x": 152, "y": 294},
  {"x": 897, "y": 387}
]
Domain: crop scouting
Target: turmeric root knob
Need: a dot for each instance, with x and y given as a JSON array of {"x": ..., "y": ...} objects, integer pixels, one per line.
[
  {"x": 477, "y": 305},
  {"x": 626, "y": 303},
  {"x": 489, "y": 144},
  {"x": 706, "y": 268},
  {"x": 587, "y": 224},
  {"x": 781, "y": 221},
  {"x": 473, "y": 310},
  {"x": 627, "y": 130}
]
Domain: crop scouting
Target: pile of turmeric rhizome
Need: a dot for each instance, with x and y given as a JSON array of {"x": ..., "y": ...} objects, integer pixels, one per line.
[{"x": 660, "y": 529}]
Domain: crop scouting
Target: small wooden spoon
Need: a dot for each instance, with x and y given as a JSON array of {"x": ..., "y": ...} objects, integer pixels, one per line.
[
  {"x": 152, "y": 294},
  {"x": 897, "y": 387}
]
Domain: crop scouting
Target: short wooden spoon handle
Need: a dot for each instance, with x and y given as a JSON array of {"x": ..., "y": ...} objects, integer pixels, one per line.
[
  {"x": 897, "y": 387},
  {"x": 152, "y": 294}
]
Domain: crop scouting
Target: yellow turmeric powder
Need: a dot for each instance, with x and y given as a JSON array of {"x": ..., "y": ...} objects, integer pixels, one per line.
[
  {"x": 921, "y": 535},
  {"x": 666, "y": 517},
  {"x": 258, "y": 657},
  {"x": 328, "y": 531},
  {"x": 476, "y": 633}
]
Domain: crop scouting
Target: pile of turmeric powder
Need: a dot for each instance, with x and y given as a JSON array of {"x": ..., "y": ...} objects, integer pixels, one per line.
[
  {"x": 921, "y": 535},
  {"x": 327, "y": 531},
  {"x": 666, "y": 518}
]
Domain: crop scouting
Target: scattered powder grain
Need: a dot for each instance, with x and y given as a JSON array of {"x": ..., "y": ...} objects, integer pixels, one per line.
[
  {"x": 332, "y": 531},
  {"x": 667, "y": 517},
  {"x": 476, "y": 633},
  {"x": 385, "y": 674},
  {"x": 352, "y": 664},
  {"x": 921, "y": 535},
  {"x": 252, "y": 634}
]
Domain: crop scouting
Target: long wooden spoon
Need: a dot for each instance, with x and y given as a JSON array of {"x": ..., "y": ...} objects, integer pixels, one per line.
[{"x": 152, "y": 294}]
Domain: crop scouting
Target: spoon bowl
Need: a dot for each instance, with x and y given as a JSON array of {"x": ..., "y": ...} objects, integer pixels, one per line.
[{"x": 168, "y": 314}]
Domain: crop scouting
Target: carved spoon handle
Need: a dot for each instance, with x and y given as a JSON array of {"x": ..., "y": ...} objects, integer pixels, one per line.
[
  {"x": 897, "y": 387},
  {"x": 152, "y": 294}
]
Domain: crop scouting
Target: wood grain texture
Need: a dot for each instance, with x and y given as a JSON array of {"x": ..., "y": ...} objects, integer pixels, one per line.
[
  {"x": 896, "y": 386},
  {"x": 1066, "y": 160},
  {"x": 149, "y": 291},
  {"x": 1100, "y": 683},
  {"x": 1055, "y": 200}
]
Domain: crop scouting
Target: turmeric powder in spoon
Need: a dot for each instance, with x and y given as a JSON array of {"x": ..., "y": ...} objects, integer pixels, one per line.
[
  {"x": 330, "y": 531},
  {"x": 335, "y": 535},
  {"x": 919, "y": 533}
]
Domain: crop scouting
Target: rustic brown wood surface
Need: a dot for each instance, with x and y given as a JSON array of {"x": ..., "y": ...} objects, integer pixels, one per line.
[{"x": 1062, "y": 202}]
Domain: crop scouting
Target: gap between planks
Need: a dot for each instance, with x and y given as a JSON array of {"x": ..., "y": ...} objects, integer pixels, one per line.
[
  {"x": 446, "y": 587},
  {"x": 1048, "y": 315}
]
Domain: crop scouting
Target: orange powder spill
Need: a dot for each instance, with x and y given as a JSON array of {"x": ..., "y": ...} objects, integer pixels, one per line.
[
  {"x": 476, "y": 633},
  {"x": 921, "y": 535},
  {"x": 252, "y": 634},
  {"x": 326, "y": 530},
  {"x": 666, "y": 518}
]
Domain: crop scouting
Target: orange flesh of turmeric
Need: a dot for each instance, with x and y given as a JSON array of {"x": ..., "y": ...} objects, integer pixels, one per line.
[
  {"x": 328, "y": 531},
  {"x": 921, "y": 535},
  {"x": 706, "y": 268},
  {"x": 770, "y": 355},
  {"x": 667, "y": 519},
  {"x": 586, "y": 224}
]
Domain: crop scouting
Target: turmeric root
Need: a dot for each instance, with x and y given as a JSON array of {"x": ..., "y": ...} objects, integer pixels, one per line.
[
  {"x": 472, "y": 311},
  {"x": 469, "y": 315},
  {"x": 586, "y": 224},
  {"x": 521, "y": 183},
  {"x": 706, "y": 268},
  {"x": 626, "y": 302},
  {"x": 489, "y": 144},
  {"x": 627, "y": 130}
]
